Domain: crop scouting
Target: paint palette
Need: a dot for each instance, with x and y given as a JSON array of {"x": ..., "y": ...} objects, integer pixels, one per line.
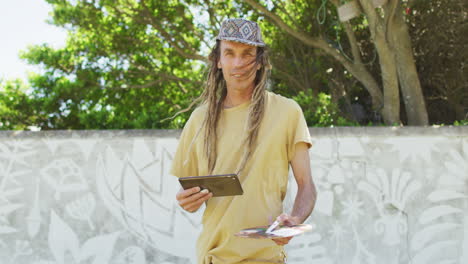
[{"x": 282, "y": 231}]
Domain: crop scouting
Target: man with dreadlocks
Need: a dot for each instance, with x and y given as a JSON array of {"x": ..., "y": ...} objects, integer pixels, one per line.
[{"x": 242, "y": 128}]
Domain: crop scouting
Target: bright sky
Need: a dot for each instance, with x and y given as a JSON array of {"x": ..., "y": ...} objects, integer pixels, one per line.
[{"x": 23, "y": 23}]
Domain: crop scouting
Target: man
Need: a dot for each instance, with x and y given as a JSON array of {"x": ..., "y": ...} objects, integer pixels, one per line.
[{"x": 242, "y": 128}]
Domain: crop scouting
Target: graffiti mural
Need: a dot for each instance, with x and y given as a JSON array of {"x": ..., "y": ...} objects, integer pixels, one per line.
[{"x": 386, "y": 196}]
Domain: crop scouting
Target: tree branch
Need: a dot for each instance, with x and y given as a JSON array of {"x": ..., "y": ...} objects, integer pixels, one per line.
[
  {"x": 310, "y": 41},
  {"x": 211, "y": 13},
  {"x": 146, "y": 16},
  {"x": 280, "y": 23},
  {"x": 357, "y": 70},
  {"x": 290, "y": 78},
  {"x": 198, "y": 33},
  {"x": 163, "y": 77},
  {"x": 369, "y": 10},
  {"x": 390, "y": 8},
  {"x": 351, "y": 37},
  {"x": 175, "y": 45},
  {"x": 280, "y": 6},
  {"x": 353, "y": 42}
]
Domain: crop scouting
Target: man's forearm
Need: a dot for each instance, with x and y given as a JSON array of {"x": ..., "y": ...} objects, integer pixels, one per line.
[
  {"x": 304, "y": 202},
  {"x": 306, "y": 192}
]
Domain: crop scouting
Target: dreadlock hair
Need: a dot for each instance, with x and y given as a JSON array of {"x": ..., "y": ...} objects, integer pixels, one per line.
[{"x": 214, "y": 94}]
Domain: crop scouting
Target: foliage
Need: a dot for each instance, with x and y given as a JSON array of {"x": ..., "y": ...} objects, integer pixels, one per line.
[
  {"x": 130, "y": 64},
  {"x": 461, "y": 122},
  {"x": 17, "y": 110},
  {"x": 114, "y": 72},
  {"x": 441, "y": 53},
  {"x": 320, "y": 111}
]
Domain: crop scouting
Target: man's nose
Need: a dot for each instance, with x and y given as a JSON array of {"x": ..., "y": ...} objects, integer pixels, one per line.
[{"x": 239, "y": 62}]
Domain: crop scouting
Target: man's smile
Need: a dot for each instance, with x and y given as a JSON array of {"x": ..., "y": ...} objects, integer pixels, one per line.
[{"x": 238, "y": 74}]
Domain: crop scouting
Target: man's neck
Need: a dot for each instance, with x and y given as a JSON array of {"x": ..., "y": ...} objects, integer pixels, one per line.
[{"x": 237, "y": 97}]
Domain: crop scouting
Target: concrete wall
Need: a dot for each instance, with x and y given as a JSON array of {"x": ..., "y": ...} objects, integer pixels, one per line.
[{"x": 386, "y": 195}]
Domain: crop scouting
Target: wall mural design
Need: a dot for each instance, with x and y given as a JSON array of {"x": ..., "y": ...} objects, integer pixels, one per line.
[{"x": 107, "y": 197}]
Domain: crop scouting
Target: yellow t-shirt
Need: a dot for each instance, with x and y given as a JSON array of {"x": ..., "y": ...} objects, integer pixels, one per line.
[{"x": 264, "y": 178}]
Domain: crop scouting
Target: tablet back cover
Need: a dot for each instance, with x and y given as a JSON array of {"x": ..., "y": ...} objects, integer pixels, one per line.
[{"x": 219, "y": 185}]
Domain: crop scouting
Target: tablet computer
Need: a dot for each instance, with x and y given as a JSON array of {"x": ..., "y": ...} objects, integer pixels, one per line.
[{"x": 219, "y": 185}]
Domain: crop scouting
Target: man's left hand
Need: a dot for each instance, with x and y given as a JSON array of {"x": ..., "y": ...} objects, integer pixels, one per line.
[{"x": 286, "y": 220}]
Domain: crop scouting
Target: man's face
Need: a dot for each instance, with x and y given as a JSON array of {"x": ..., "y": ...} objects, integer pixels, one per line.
[{"x": 237, "y": 61}]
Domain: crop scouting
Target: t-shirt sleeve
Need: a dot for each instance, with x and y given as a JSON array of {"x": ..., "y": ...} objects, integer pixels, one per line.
[
  {"x": 185, "y": 162},
  {"x": 297, "y": 131}
]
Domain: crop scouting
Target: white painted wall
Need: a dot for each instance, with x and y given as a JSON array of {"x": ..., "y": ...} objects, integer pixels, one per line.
[{"x": 386, "y": 196}]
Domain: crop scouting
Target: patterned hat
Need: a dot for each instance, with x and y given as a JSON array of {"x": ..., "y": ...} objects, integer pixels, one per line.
[{"x": 241, "y": 30}]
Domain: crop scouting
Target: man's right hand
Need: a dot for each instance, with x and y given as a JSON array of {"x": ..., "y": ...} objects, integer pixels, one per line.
[{"x": 192, "y": 199}]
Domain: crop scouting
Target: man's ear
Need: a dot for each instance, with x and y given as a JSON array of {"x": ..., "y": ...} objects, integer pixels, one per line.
[{"x": 219, "y": 65}]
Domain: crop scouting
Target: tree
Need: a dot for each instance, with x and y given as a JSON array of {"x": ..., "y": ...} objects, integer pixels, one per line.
[
  {"x": 439, "y": 33},
  {"x": 129, "y": 64},
  {"x": 17, "y": 111},
  {"x": 115, "y": 72},
  {"x": 390, "y": 36}
]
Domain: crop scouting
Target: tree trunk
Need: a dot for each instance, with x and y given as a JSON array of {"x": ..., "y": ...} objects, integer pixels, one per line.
[
  {"x": 378, "y": 29},
  {"x": 407, "y": 74},
  {"x": 390, "y": 100},
  {"x": 459, "y": 109},
  {"x": 338, "y": 92},
  {"x": 391, "y": 110},
  {"x": 358, "y": 70}
]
